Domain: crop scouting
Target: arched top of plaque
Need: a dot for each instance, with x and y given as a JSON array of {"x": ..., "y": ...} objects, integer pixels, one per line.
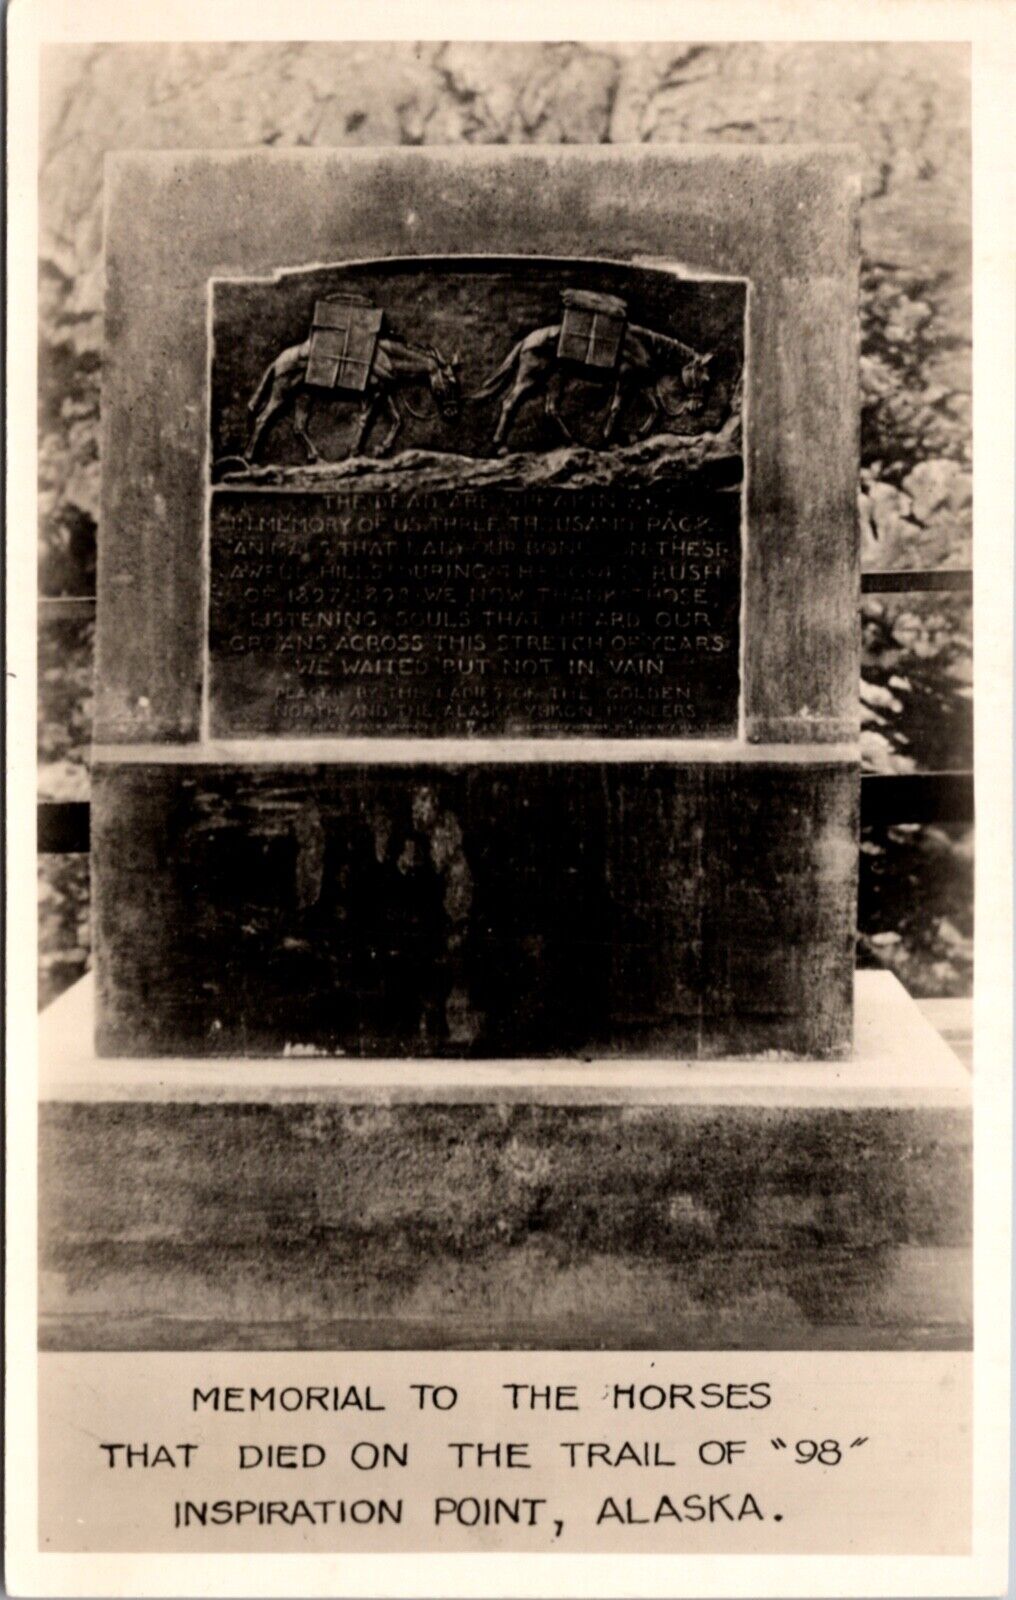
[{"x": 476, "y": 370}]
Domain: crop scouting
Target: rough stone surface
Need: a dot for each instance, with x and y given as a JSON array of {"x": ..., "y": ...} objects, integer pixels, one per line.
[
  {"x": 371, "y": 1226},
  {"x": 501, "y": 910},
  {"x": 662, "y": 908}
]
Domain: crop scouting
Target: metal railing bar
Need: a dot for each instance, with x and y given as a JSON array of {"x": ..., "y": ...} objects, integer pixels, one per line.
[
  {"x": 908, "y": 797},
  {"x": 63, "y": 827},
  {"x": 917, "y": 580},
  {"x": 66, "y": 607}
]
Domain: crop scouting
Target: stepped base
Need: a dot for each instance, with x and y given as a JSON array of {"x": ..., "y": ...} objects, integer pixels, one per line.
[{"x": 310, "y": 1203}]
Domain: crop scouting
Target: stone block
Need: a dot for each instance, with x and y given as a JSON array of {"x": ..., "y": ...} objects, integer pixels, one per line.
[
  {"x": 316, "y": 1204},
  {"x": 608, "y": 608},
  {"x": 784, "y": 220},
  {"x": 533, "y": 908}
]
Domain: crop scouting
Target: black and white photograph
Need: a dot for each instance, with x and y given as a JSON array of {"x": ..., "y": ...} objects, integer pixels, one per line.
[{"x": 505, "y": 802}]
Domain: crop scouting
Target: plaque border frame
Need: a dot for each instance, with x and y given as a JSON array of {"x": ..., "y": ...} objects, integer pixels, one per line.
[{"x": 459, "y": 747}]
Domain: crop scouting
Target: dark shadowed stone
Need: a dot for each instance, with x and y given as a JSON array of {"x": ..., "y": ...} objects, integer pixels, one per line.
[{"x": 489, "y": 910}]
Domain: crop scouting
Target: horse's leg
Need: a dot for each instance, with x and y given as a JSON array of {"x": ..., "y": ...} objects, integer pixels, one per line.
[
  {"x": 257, "y": 429},
  {"x": 368, "y": 412},
  {"x": 269, "y": 410},
  {"x": 520, "y": 390},
  {"x": 396, "y": 416},
  {"x": 617, "y": 400},
  {"x": 301, "y": 417},
  {"x": 552, "y": 404},
  {"x": 654, "y": 411}
]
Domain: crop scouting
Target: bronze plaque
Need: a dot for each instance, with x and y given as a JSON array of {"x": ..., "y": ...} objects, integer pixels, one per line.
[{"x": 476, "y": 497}]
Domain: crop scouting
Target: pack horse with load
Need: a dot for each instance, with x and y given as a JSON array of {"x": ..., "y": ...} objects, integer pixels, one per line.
[
  {"x": 349, "y": 356},
  {"x": 594, "y": 341}
]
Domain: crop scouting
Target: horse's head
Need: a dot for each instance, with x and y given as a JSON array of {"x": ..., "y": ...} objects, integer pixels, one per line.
[
  {"x": 695, "y": 378},
  {"x": 445, "y": 385}
]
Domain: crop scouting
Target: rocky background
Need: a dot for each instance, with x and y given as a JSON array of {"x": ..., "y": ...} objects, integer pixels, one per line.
[{"x": 906, "y": 106}]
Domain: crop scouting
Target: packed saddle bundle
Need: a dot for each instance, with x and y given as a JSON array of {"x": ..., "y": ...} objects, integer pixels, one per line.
[
  {"x": 592, "y": 328},
  {"x": 343, "y": 341}
]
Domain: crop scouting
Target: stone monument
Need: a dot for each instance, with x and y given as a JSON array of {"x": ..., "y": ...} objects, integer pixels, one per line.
[
  {"x": 478, "y": 647},
  {"x": 477, "y": 700}
]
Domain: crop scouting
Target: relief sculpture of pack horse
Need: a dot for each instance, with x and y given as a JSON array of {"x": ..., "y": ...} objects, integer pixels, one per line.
[
  {"x": 594, "y": 340},
  {"x": 350, "y": 356},
  {"x": 347, "y": 356}
]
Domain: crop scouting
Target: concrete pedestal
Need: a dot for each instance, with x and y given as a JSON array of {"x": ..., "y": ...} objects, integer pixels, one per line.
[{"x": 315, "y": 1203}]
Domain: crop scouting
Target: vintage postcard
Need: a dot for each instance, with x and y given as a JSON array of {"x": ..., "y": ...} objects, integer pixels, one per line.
[{"x": 518, "y": 1094}]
